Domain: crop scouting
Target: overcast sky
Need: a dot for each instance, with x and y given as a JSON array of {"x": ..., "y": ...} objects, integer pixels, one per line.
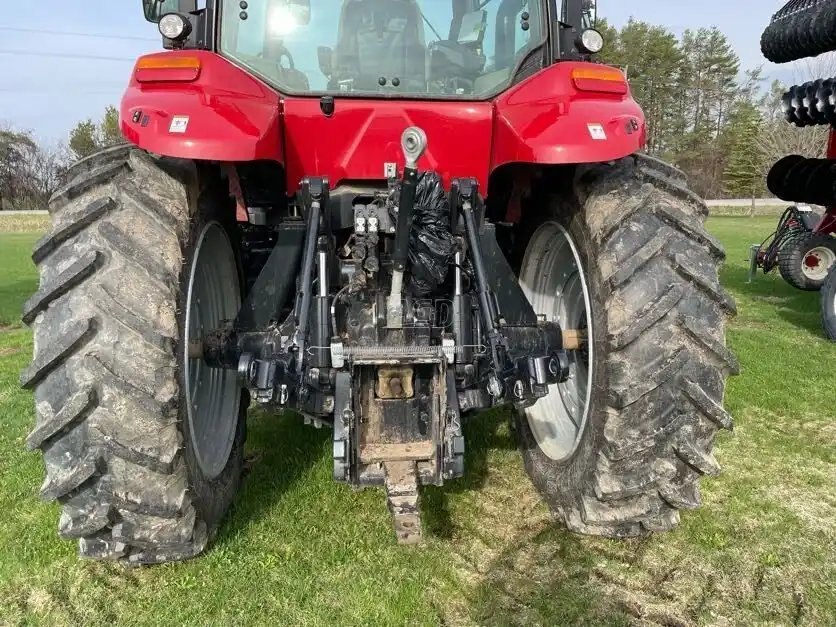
[{"x": 49, "y": 81}]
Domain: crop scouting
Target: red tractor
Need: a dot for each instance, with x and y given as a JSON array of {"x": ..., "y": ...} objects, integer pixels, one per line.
[{"x": 386, "y": 216}]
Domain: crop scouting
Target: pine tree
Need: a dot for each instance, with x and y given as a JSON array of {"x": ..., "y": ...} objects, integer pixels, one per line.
[
  {"x": 89, "y": 137},
  {"x": 744, "y": 174},
  {"x": 695, "y": 102},
  {"x": 651, "y": 57},
  {"x": 83, "y": 139}
]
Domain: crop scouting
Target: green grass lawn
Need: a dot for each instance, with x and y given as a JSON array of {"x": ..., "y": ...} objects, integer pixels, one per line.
[
  {"x": 18, "y": 278},
  {"x": 299, "y": 549}
]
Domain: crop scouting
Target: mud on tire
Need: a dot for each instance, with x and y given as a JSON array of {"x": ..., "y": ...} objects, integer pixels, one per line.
[
  {"x": 107, "y": 368},
  {"x": 660, "y": 360}
]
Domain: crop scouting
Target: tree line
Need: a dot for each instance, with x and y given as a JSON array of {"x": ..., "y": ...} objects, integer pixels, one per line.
[
  {"x": 724, "y": 127},
  {"x": 30, "y": 172}
]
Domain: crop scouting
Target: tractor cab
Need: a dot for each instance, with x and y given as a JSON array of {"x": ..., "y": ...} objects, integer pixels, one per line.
[{"x": 385, "y": 48}]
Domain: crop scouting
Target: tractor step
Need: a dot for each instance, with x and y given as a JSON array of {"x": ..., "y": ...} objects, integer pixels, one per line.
[{"x": 402, "y": 498}]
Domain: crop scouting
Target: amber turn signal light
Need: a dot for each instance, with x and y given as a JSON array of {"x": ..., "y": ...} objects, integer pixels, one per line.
[
  {"x": 167, "y": 67},
  {"x": 602, "y": 79}
]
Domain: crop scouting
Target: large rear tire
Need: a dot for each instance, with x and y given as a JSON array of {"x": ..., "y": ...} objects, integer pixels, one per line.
[
  {"x": 619, "y": 449},
  {"x": 828, "y": 305},
  {"x": 125, "y": 458},
  {"x": 805, "y": 261}
]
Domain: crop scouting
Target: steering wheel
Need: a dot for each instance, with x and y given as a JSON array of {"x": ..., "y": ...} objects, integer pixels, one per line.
[{"x": 284, "y": 53}]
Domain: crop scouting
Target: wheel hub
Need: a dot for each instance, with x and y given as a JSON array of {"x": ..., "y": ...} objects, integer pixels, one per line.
[
  {"x": 818, "y": 262},
  {"x": 555, "y": 283},
  {"x": 213, "y": 395}
]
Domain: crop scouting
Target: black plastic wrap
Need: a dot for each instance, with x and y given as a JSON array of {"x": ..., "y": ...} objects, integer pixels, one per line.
[{"x": 431, "y": 245}]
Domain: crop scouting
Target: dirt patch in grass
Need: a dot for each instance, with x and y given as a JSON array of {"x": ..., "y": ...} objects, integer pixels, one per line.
[{"x": 9, "y": 350}]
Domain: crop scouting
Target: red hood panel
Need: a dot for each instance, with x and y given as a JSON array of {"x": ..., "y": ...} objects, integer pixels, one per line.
[{"x": 362, "y": 135}]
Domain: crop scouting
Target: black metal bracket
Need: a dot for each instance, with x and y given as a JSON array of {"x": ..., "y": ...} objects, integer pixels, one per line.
[
  {"x": 270, "y": 294},
  {"x": 461, "y": 189},
  {"x": 454, "y": 444},
  {"x": 343, "y": 421},
  {"x": 406, "y": 216},
  {"x": 465, "y": 198},
  {"x": 512, "y": 305},
  {"x": 314, "y": 195}
]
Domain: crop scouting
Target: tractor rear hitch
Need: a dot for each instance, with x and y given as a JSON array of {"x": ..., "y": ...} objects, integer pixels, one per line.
[{"x": 393, "y": 372}]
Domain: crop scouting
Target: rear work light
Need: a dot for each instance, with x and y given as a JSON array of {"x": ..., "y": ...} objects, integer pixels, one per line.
[
  {"x": 602, "y": 79},
  {"x": 167, "y": 67},
  {"x": 175, "y": 27}
]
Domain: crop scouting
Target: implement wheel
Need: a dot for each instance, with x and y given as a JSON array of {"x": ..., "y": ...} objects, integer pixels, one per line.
[
  {"x": 143, "y": 446},
  {"x": 805, "y": 261},
  {"x": 619, "y": 448}
]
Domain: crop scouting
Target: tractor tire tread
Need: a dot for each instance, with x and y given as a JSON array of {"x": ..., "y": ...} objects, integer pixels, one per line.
[
  {"x": 60, "y": 285},
  {"x": 81, "y": 184},
  {"x": 648, "y": 316},
  {"x": 665, "y": 356},
  {"x": 84, "y": 218},
  {"x": 76, "y": 335},
  {"x": 107, "y": 418},
  {"x": 81, "y": 404}
]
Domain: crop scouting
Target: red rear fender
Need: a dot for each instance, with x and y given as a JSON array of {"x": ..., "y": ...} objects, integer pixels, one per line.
[
  {"x": 546, "y": 119},
  {"x": 217, "y": 112}
]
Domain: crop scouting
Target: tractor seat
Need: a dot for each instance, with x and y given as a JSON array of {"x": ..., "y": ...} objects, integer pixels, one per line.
[{"x": 381, "y": 38}]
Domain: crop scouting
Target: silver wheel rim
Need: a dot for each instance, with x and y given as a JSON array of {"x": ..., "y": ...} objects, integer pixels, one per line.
[
  {"x": 817, "y": 263},
  {"x": 213, "y": 394},
  {"x": 555, "y": 284}
]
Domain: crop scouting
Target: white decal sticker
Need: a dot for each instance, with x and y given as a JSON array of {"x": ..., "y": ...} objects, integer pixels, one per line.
[
  {"x": 597, "y": 132},
  {"x": 179, "y": 124}
]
